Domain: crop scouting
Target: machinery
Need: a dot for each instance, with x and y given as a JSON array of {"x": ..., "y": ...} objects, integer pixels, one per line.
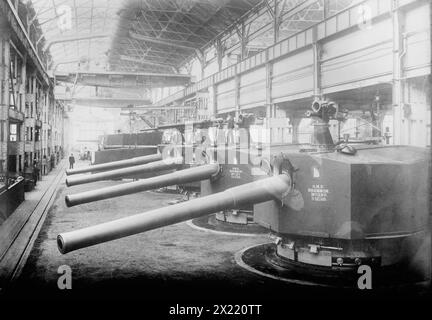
[
  {"x": 239, "y": 163},
  {"x": 186, "y": 140},
  {"x": 205, "y": 142},
  {"x": 115, "y": 164},
  {"x": 154, "y": 168},
  {"x": 213, "y": 176},
  {"x": 151, "y": 137},
  {"x": 331, "y": 207},
  {"x": 169, "y": 140},
  {"x": 348, "y": 205},
  {"x": 177, "y": 177},
  {"x": 169, "y": 157},
  {"x": 234, "y": 169},
  {"x": 272, "y": 187},
  {"x": 116, "y": 147}
]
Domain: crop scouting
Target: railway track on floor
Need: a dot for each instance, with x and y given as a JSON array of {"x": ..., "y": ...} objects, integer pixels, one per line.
[{"x": 20, "y": 232}]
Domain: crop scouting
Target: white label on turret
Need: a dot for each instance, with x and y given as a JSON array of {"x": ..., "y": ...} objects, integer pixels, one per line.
[
  {"x": 315, "y": 172},
  {"x": 318, "y": 192},
  {"x": 235, "y": 173}
]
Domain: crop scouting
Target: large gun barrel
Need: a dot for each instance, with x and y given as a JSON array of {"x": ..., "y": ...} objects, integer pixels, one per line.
[
  {"x": 116, "y": 164},
  {"x": 160, "y": 165},
  {"x": 275, "y": 187},
  {"x": 182, "y": 176}
]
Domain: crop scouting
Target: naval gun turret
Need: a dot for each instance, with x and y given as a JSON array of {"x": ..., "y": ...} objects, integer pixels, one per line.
[
  {"x": 209, "y": 166},
  {"x": 115, "y": 164},
  {"x": 349, "y": 205},
  {"x": 331, "y": 207},
  {"x": 272, "y": 187}
]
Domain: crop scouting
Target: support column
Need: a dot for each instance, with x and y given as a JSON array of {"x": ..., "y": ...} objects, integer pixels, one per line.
[
  {"x": 21, "y": 90},
  {"x": 276, "y": 21},
  {"x": 4, "y": 96},
  {"x": 202, "y": 60},
  {"x": 237, "y": 95},
  {"x": 268, "y": 98},
  {"x": 243, "y": 34},
  {"x": 213, "y": 101},
  {"x": 398, "y": 85},
  {"x": 23, "y": 81},
  {"x": 220, "y": 51},
  {"x": 326, "y": 11},
  {"x": 316, "y": 48},
  {"x": 278, "y": 9},
  {"x": 295, "y": 122}
]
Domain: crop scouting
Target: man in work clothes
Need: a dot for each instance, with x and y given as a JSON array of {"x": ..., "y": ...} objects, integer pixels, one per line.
[
  {"x": 71, "y": 161},
  {"x": 229, "y": 135}
]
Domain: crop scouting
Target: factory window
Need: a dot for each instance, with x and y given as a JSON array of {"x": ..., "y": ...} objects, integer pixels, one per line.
[
  {"x": 37, "y": 134},
  {"x": 26, "y": 160},
  {"x": 11, "y": 100},
  {"x": 14, "y": 132}
]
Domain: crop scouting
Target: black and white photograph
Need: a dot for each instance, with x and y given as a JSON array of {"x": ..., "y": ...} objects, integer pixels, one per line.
[{"x": 214, "y": 158}]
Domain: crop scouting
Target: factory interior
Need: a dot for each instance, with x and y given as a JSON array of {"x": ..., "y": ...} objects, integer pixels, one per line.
[{"x": 200, "y": 151}]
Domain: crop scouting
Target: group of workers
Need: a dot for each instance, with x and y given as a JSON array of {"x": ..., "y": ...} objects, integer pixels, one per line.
[
  {"x": 231, "y": 132},
  {"x": 34, "y": 171},
  {"x": 225, "y": 131}
]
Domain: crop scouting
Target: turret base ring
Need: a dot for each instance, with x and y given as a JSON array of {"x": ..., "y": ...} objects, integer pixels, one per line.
[
  {"x": 263, "y": 260},
  {"x": 214, "y": 225}
]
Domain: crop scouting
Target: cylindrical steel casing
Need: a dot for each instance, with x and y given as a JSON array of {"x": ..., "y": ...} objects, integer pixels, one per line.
[
  {"x": 182, "y": 176},
  {"x": 160, "y": 165},
  {"x": 259, "y": 191},
  {"x": 116, "y": 164}
]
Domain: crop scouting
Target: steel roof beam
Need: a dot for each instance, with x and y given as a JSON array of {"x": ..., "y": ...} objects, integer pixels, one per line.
[
  {"x": 76, "y": 38},
  {"x": 150, "y": 63},
  {"x": 140, "y": 37}
]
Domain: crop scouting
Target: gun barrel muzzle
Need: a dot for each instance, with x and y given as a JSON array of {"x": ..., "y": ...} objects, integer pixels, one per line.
[
  {"x": 182, "y": 176},
  {"x": 116, "y": 164},
  {"x": 160, "y": 165},
  {"x": 275, "y": 187}
]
